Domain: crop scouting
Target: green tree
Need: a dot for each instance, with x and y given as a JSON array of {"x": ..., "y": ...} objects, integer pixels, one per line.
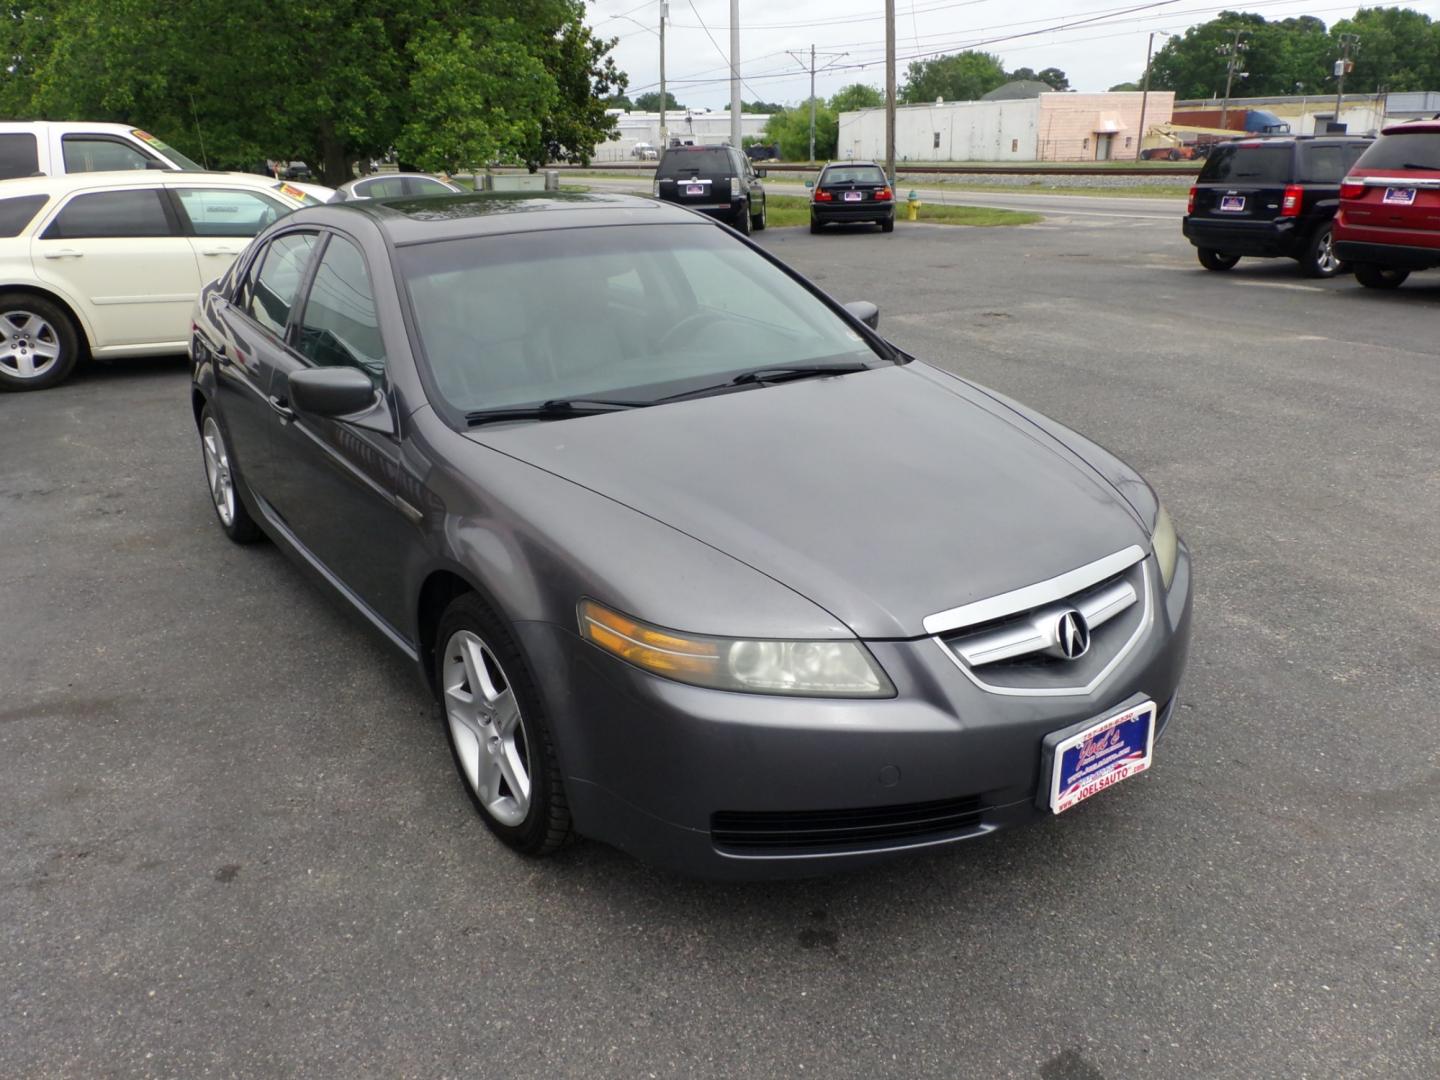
[
  {"x": 1124, "y": 87},
  {"x": 651, "y": 102},
  {"x": 618, "y": 101},
  {"x": 1399, "y": 50},
  {"x": 1054, "y": 78},
  {"x": 857, "y": 96},
  {"x": 965, "y": 76},
  {"x": 760, "y": 107},
  {"x": 790, "y": 130}
]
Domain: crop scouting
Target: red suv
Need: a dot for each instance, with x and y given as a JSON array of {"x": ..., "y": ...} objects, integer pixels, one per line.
[{"x": 1389, "y": 218}]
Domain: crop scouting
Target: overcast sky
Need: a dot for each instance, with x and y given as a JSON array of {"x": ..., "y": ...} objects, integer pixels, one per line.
[{"x": 1108, "y": 47}]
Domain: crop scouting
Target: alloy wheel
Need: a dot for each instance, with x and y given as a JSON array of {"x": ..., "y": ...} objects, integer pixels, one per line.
[
  {"x": 487, "y": 728},
  {"x": 29, "y": 347},
  {"x": 1325, "y": 259},
  {"x": 217, "y": 471}
]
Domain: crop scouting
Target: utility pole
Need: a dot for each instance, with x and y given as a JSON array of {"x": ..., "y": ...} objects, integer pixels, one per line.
[
  {"x": 890, "y": 91},
  {"x": 1342, "y": 68},
  {"x": 735, "y": 138},
  {"x": 1233, "y": 51},
  {"x": 1145, "y": 94},
  {"x": 664, "y": 131},
  {"x": 800, "y": 59}
]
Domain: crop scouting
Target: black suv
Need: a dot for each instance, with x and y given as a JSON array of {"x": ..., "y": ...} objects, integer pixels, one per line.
[
  {"x": 716, "y": 179},
  {"x": 1271, "y": 198}
]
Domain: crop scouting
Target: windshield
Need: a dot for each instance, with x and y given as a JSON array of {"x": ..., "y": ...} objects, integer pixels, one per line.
[
  {"x": 180, "y": 161},
  {"x": 1412, "y": 150},
  {"x": 684, "y": 162},
  {"x": 854, "y": 174},
  {"x": 634, "y": 312}
]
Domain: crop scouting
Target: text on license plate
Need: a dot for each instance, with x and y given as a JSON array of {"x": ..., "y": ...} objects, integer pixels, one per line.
[
  {"x": 694, "y": 189},
  {"x": 1400, "y": 196},
  {"x": 1232, "y": 203},
  {"x": 854, "y": 196},
  {"x": 1102, "y": 755}
]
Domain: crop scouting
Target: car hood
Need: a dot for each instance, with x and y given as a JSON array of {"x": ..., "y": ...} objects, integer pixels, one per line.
[{"x": 882, "y": 496}]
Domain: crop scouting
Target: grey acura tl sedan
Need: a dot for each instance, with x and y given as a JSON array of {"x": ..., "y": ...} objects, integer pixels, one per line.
[{"x": 694, "y": 561}]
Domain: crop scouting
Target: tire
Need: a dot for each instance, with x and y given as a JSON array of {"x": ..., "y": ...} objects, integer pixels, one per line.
[
  {"x": 742, "y": 219},
  {"x": 758, "y": 224},
  {"x": 1211, "y": 259},
  {"x": 39, "y": 345},
  {"x": 815, "y": 226},
  {"x": 503, "y": 743},
  {"x": 1319, "y": 259},
  {"x": 1174, "y": 155},
  {"x": 222, "y": 478},
  {"x": 887, "y": 224},
  {"x": 1380, "y": 277}
]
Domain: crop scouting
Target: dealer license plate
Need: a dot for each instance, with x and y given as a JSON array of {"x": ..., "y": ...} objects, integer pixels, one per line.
[
  {"x": 854, "y": 196},
  {"x": 694, "y": 189},
  {"x": 1091, "y": 759},
  {"x": 1400, "y": 196},
  {"x": 1232, "y": 204}
]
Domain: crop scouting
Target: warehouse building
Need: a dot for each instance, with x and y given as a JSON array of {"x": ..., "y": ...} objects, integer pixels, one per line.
[{"x": 1045, "y": 126}]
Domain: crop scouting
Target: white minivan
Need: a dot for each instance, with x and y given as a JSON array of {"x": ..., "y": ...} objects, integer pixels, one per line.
[{"x": 52, "y": 148}]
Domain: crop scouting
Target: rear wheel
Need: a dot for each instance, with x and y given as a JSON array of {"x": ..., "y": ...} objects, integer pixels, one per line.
[
  {"x": 814, "y": 224},
  {"x": 1319, "y": 259},
  {"x": 498, "y": 734},
  {"x": 1211, "y": 259},
  {"x": 887, "y": 224},
  {"x": 742, "y": 219},
  {"x": 39, "y": 346},
  {"x": 1380, "y": 277}
]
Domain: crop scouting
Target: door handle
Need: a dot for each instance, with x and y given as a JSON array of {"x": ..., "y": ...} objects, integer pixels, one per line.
[
  {"x": 63, "y": 253},
  {"x": 282, "y": 407},
  {"x": 219, "y": 251}
]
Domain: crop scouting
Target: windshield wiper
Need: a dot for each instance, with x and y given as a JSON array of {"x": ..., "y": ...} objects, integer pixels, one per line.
[
  {"x": 771, "y": 374},
  {"x": 556, "y": 409}
]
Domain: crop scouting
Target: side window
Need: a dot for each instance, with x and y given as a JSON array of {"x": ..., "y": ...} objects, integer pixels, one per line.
[
  {"x": 340, "y": 327},
  {"x": 384, "y": 188},
  {"x": 221, "y": 212},
  {"x": 1326, "y": 164},
  {"x": 18, "y": 156},
  {"x": 270, "y": 294},
  {"x": 111, "y": 214},
  {"x": 90, "y": 153},
  {"x": 18, "y": 212}
]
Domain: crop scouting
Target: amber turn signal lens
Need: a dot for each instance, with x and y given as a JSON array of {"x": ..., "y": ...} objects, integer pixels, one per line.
[{"x": 645, "y": 646}]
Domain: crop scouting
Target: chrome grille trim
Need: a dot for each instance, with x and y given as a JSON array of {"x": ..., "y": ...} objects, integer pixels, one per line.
[
  {"x": 1033, "y": 596},
  {"x": 1040, "y": 631}
]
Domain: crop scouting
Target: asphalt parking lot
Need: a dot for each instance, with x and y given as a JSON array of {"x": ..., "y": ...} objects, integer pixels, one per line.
[{"x": 235, "y": 845}]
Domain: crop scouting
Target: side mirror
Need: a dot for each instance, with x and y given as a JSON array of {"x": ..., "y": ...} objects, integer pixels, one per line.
[
  {"x": 809, "y": 183},
  {"x": 866, "y": 312},
  {"x": 331, "y": 391},
  {"x": 762, "y": 173}
]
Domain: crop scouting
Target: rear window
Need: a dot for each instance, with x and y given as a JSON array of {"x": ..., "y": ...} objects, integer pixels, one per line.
[
  {"x": 17, "y": 156},
  {"x": 686, "y": 162},
  {"x": 857, "y": 174},
  {"x": 16, "y": 213},
  {"x": 1248, "y": 164},
  {"x": 1413, "y": 150},
  {"x": 1327, "y": 163}
]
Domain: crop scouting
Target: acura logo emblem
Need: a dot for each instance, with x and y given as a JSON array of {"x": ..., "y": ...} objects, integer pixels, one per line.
[{"x": 1073, "y": 635}]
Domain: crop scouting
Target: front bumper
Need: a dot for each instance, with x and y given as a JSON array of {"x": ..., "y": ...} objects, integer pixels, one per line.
[
  {"x": 689, "y": 778},
  {"x": 1264, "y": 239}
]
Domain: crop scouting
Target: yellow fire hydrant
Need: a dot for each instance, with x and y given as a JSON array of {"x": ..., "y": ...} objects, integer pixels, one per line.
[{"x": 912, "y": 205}]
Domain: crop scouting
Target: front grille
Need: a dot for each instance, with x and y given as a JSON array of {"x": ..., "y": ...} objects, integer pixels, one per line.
[{"x": 773, "y": 831}]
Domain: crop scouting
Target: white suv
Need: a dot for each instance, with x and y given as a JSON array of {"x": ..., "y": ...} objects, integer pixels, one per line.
[
  {"x": 51, "y": 148},
  {"x": 111, "y": 263}
]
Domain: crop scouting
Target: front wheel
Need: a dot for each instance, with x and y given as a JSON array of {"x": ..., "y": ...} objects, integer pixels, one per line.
[
  {"x": 1380, "y": 277},
  {"x": 758, "y": 223},
  {"x": 1319, "y": 259},
  {"x": 1211, "y": 259},
  {"x": 742, "y": 219},
  {"x": 221, "y": 477},
  {"x": 497, "y": 730},
  {"x": 39, "y": 346}
]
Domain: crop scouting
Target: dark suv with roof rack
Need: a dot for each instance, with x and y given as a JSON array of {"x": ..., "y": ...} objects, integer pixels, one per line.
[
  {"x": 1271, "y": 198},
  {"x": 719, "y": 180}
]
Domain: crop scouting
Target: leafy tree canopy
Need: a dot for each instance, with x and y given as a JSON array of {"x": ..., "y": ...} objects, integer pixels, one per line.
[
  {"x": 963, "y": 76},
  {"x": 651, "y": 102},
  {"x": 790, "y": 130},
  {"x": 332, "y": 82},
  {"x": 760, "y": 107},
  {"x": 1124, "y": 87},
  {"x": 857, "y": 96},
  {"x": 1051, "y": 76}
]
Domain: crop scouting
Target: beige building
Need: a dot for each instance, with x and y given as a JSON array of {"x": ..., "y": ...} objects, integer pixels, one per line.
[{"x": 1048, "y": 127}]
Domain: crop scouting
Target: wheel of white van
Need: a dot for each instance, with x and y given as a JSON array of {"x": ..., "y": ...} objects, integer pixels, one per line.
[
  {"x": 221, "y": 478},
  {"x": 742, "y": 219},
  {"x": 39, "y": 346},
  {"x": 758, "y": 223},
  {"x": 1319, "y": 259},
  {"x": 1216, "y": 260},
  {"x": 498, "y": 734},
  {"x": 1380, "y": 277}
]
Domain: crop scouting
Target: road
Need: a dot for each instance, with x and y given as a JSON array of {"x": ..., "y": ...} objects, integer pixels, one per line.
[
  {"x": 1064, "y": 208},
  {"x": 234, "y": 843}
]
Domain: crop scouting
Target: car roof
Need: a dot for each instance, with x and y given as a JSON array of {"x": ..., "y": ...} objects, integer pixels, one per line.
[
  {"x": 64, "y": 126},
  {"x": 698, "y": 146},
  {"x": 427, "y": 218},
  {"x": 1415, "y": 127},
  {"x": 852, "y": 164},
  {"x": 89, "y": 181},
  {"x": 349, "y": 184},
  {"x": 1295, "y": 140}
]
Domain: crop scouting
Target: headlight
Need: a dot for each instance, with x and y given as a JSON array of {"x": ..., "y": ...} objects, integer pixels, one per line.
[
  {"x": 1166, "y": 545},
  {"x": 803, "y": 668}
]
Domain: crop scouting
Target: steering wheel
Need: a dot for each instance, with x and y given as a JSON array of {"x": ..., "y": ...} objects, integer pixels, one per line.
[{"x": 688, "y": 324}]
